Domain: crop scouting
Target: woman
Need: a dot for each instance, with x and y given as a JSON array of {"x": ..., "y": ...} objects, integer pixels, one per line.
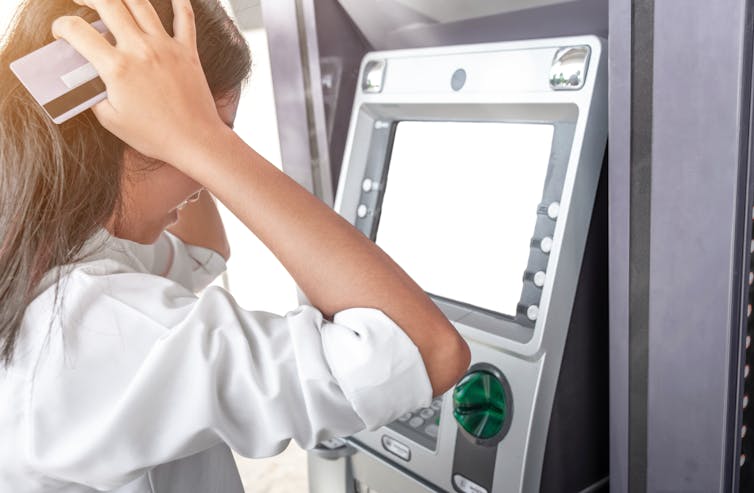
[{"x": 117, "y": 376}]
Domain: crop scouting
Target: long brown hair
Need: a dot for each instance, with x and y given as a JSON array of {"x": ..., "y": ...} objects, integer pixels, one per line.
[{"x": 60, "y": 184}]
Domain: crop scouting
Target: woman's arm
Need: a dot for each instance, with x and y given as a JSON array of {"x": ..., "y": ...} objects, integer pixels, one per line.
[
  {"x": 199, "y": 224},
  {"x": 335, "y": 265},
  {"x": 157, "y": 94}
]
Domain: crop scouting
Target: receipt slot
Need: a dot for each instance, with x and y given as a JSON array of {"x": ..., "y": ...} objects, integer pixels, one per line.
[{"x": 476, "y": 169}]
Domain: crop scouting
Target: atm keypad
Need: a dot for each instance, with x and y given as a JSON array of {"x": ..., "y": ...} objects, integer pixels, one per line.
[{"x": 421, "y": 426}]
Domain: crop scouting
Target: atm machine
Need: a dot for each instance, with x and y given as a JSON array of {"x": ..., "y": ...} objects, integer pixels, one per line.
[
  {"x": 470, "y": 145},
  {"x": 476, "y": 167}
]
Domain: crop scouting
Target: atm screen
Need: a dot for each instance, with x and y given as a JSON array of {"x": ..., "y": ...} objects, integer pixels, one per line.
[{"x": 460, "y": 206}]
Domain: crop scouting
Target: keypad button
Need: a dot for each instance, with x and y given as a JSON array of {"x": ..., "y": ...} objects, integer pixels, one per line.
[
  {"x": 405, "y": 417},
  {"x": 416, "y": 422},
  {"x": 426, "y": 413},
  {"x": 436, "y": 405}
]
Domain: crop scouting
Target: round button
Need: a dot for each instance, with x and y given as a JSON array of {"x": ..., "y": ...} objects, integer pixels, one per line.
[
  {"x": 546, "y": 244},
  {"x": 480, "y": 404},
  {"x": 539, "y": 279},
  {"x": 532, "y": 312},
  {"x": 416, "y": 422},
  {"x": 405, "y": 417},
  {"x": 362, "y": 211},
  {"x": 458, "y": 80},
  {"x": 436, "y": 405},
  {"x": 553, "y": 210},
  {"x": 426, "y": 413},
  {"x": 367, "y": 184}
]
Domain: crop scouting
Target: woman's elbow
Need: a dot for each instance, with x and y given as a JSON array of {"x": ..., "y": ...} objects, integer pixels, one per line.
[
  {"x": 451, "y": 361},
  {"x": 225, "y": 251}
]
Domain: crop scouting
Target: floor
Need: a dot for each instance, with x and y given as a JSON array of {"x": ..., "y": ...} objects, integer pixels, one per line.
[{"x": 284, "y": 473}]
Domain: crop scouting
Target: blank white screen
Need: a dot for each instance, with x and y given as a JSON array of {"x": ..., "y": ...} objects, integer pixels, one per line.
[{"x": 460, "y": 206}]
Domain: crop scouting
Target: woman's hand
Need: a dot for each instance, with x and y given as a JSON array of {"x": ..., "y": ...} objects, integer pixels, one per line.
[{"x": 158, "y": 100}]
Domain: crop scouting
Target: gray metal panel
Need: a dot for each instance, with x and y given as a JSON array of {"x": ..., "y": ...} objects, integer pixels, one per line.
[
  {"x": 619, "y": 205},
  {"x": 698, "y": 59},
  {"x": 341, "y": 47},
  {"x": 389, "y": 25},
  {"x": 280, "y": 21},
  {"x": 294, "y": 55},
  {"x": 743, "y": 474},
  {"x": 318, "y": 139}
]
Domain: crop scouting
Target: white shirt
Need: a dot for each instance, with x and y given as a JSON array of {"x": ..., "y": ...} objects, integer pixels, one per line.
[{"x": 134, "y": 384}]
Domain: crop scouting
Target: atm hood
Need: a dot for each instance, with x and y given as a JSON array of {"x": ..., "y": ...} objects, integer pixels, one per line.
[
  {"x": 387, "y": 24},
  {"x": 445, "y": 11}
]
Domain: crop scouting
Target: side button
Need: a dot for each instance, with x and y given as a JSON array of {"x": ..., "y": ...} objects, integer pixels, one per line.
[
  {"x": 397, "y": 448},
  {"x": 466, "y": 485}
]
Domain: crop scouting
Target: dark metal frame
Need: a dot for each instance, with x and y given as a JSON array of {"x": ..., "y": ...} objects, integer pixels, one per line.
[{"x": 678, "y": 161}]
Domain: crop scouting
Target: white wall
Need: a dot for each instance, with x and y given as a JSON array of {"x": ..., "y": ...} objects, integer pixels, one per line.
[
  {"x": 255, "y": 277},
  {"x": 7, "y": 8}
]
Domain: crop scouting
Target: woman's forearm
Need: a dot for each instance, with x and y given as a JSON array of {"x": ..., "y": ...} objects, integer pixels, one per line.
[{"x": 335, "y": 265}]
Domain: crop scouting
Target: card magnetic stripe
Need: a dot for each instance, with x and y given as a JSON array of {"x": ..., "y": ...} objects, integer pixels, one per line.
[{"x": 75, "y": 97}]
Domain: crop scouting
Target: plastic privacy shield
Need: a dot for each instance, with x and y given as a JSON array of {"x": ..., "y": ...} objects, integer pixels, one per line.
[{"x": 62, "y": 81}]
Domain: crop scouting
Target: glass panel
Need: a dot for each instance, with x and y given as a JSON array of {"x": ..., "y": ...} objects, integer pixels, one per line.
[{"x": 460, "y": 207}]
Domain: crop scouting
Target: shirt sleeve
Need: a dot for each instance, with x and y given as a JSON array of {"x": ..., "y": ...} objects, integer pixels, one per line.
[
  {"x": 143, "y": 372},
  {"x": 192, "y": 266}
]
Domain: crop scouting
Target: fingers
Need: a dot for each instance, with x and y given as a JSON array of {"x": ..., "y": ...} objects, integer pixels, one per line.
[
  {"x": 116, "y": 17},
  {"x": 146, "y": 17},
  {"x": 184, "y": 27},
  {"x": 105, "y": 113},
  {"x": 84, "y": 39}
]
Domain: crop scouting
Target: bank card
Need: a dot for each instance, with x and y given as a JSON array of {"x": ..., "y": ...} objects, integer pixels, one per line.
[{"x": 62, "y": 81}]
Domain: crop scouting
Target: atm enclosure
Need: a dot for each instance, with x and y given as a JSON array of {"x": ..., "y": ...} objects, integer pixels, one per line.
[{"x": 476, "y": 167}]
